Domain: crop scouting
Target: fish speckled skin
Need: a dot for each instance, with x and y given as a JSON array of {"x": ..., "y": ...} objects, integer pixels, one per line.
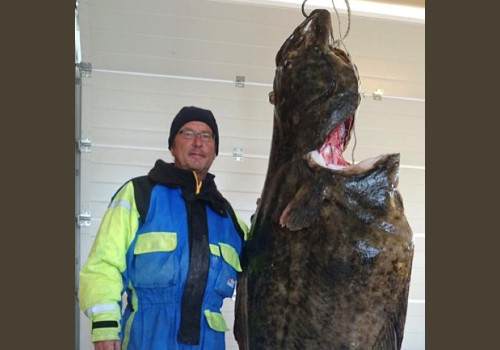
[{"x": 328, "y": 261}]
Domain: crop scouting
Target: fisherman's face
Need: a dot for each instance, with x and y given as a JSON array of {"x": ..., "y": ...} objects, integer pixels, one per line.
[{"x": 195, "y": 153}]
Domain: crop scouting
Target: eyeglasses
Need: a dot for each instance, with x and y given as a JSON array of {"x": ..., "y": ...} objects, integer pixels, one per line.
[{"x": 189, "y": 134}]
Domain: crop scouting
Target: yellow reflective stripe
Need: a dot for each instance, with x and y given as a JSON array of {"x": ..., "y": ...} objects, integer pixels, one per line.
[
  {"x": 134, "y": 301},
  {"x": 214, "y": 249},
  {"x": 155, "y": 242},
  {"x": 230, "y": 255},
  {"x": 128, "y": 325},
  {"x": 126, "y": 333},
  {"x": 216, "y": 321},
  {"x": 243, "y": 226}
]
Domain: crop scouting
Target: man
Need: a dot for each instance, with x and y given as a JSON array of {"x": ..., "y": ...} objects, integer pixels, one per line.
[{"x": 171, "y": 242}]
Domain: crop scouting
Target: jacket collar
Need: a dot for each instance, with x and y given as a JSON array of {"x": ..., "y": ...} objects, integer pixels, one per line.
[{"x": 170, "y": 175}]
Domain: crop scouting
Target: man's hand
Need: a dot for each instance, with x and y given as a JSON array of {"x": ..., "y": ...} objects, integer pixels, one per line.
[{"x": 107, "y": 345}]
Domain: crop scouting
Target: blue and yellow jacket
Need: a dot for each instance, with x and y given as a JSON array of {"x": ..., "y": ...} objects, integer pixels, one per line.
[{"x": 176, "y": 264}]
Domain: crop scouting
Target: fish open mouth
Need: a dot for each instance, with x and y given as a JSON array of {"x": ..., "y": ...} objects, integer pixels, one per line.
[{"x": 330, "y": 154}]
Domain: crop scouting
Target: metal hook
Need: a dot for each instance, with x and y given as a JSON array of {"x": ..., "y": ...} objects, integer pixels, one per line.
[{"x": 304, "y": 12}]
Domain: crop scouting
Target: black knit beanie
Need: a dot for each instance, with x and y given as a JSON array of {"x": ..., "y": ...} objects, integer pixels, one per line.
[{"x": 189, "y": 114}]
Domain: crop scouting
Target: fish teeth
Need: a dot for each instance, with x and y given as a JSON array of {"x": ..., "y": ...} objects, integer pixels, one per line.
[{"x": 319, "y": 160}]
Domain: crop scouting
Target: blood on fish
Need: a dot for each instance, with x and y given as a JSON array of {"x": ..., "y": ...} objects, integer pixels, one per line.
[{"x": 333, "y": 148}]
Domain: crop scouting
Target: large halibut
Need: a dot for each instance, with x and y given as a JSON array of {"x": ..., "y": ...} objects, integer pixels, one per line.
[{"x": 328, "y": 261}]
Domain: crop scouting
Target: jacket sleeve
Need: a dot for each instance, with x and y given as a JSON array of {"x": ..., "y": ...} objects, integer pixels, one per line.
[{"x": 100, "y": 278}]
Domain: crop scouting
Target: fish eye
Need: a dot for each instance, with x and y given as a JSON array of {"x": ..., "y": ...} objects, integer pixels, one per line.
[
  {"x": 287, "y": 64},
  {"x": 271, "y": 97}
]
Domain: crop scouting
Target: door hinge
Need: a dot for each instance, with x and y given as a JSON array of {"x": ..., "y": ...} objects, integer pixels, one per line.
[
  {"x": 84, "y": 218},
  {"x": 85, "y": 145},
  {"x": 85, "y": 69},
  {"x": 240, "y": 81}
]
